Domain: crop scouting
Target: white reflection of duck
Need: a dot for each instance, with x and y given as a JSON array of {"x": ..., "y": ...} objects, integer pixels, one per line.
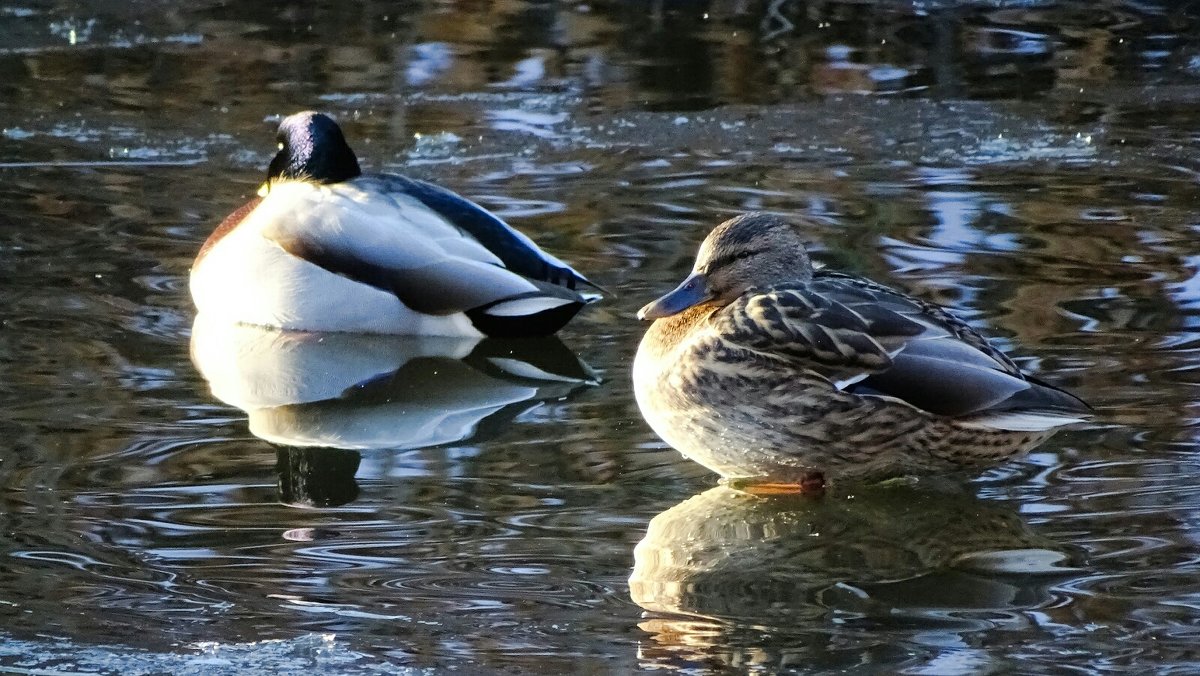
[
  {"x": 370, "y": 391},
  {"x": 892, "y": 553}
]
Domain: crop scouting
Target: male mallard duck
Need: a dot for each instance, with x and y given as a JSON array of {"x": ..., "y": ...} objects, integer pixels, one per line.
[
  {"x": 328, "y": 248},
  {"x": 763, "y": 369}
]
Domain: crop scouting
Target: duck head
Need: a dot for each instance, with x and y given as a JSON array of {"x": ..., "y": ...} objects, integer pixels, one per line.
[
  {"x": 312, "y": 148},
  {"x": 746, "y": 251}
]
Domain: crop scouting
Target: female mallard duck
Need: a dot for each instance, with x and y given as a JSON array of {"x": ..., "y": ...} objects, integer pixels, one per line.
[
  {"x": 328, "y": 248},
  {"x": 763, "y": 369}
]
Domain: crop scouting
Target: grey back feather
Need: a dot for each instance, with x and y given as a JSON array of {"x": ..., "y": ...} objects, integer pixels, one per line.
[{"x": 878, "y": 342}]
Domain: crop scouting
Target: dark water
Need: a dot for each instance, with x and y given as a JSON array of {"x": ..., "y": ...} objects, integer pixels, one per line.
[{"x": 1030, "y": 164}]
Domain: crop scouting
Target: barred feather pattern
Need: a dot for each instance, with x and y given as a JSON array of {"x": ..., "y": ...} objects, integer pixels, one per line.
[
  {"x": 708, "y": 385},
  {"x": 760, "y": 367},
  {"x": 877, "y": 292}
]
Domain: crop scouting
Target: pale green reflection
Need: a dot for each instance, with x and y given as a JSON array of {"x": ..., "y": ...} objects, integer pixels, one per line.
[{"x": 362, "y": 392}]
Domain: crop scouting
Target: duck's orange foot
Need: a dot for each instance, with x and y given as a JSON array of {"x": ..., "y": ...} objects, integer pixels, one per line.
[{"x": 811, "y": 484}]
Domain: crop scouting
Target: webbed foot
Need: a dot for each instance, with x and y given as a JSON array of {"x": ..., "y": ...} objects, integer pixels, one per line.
[{"x": 809, "y": 484}]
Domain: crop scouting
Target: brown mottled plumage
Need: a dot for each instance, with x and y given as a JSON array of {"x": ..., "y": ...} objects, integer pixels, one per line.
[{"x": 759, "y": 367}]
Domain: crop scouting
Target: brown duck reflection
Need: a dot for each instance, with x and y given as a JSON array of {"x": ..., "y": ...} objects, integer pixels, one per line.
[
  {"x": 886, "y": 555},
  {"x": 324, "y": 397}
]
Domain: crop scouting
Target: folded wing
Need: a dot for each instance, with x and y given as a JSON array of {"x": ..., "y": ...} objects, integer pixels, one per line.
[
  {"x": 870, "y": 340},
  {"x": 438, "y": 253},
  {"x": 516, "y": 251}
]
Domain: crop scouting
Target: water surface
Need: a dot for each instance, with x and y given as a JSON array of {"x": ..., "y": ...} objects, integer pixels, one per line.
[{"x": 1028, "y": 164}]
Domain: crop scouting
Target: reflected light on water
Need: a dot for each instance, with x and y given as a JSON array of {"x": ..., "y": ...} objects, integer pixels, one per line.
[{"x": 1030, "y": 165}]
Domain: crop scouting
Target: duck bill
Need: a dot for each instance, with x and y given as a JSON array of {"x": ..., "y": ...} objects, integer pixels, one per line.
[{"x": 692, "y": 292}]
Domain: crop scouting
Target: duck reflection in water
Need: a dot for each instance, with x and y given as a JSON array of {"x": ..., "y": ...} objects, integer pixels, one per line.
[
  {"x": 735, "y": 578},
  {"x": 314, "y": 393}
]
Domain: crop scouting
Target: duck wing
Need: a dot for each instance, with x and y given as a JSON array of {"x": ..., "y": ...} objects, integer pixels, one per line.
[
  {"x": 380, "y": 230},
  {"x": 516, "y": 251},
  {"x": 878, "y": 293},
  {"x": 801, "y": 324},
  {"x": 870, "y": 340}
]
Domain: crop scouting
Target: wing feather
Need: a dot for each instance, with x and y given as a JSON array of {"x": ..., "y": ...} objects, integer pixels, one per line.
[
  {"x": 871, "y": 340},
  {"x": 936, "y": 317},
  {"x": 516, "y": 251},
  {"x": 793, "y": 323},
  {"x": 395, "y": 243}
]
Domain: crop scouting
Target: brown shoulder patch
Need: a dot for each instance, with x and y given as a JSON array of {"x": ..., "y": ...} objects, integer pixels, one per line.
[{"x": 231, "y": 221}]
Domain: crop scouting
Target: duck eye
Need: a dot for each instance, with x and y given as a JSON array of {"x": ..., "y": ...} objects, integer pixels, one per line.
[
  {"x": 729, "y": 259},
  {"x": 279, "y": 145}
]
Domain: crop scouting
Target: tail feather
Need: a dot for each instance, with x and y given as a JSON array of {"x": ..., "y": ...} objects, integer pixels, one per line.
[{"x": 1027, "y": 421}]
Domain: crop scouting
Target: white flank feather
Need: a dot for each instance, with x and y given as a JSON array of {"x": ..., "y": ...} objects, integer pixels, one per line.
[
  {"x": 843, "y": 384},
  {"x": 1026, "y": 421},
  {"x": 522, "y": 307}
]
